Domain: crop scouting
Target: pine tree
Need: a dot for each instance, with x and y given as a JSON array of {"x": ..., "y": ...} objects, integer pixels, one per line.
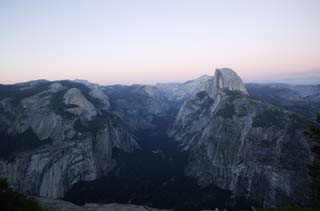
[
  {"x": 10, "y": 200},
  {"x": 314, "y": 168}
]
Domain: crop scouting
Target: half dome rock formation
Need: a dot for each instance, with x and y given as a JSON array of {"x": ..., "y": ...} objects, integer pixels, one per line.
[
  {"x": 225, "y": 79},
  {"x": 240, "y": 144}
]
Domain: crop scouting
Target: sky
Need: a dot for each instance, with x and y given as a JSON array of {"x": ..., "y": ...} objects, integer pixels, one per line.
[{"x": 149, "y": 41}]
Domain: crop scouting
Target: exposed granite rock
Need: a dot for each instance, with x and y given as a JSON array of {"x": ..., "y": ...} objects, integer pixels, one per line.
[
  {"x": 182, "y": 91},
  {"x": 240, "y": 144},
  {"x": 74, "y": 147},
  {"x": 224, "y": 78},
  {"x": 119, "y": 207},
  {"x": 58, "y": 205},
  {"x": 101, "y": 97},
  {"x": 51, "y": 170},
  {"x": 33, "y": 113},
  {"x": 55, "y": 87},
  {"x": 61, "y": 205},
  {"x": 83, "y": 107}
]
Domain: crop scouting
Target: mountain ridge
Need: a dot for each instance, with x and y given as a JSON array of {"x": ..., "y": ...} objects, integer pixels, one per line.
[{"x": 98, "y": 121}]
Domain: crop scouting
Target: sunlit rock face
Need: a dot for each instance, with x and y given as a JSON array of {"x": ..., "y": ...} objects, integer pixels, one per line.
[
  {"x": 79, "y": 104},
  {"x": 225, "y": 79},
  {"x": 240, "y": 144},
  {"x": 72, "y": 137}
]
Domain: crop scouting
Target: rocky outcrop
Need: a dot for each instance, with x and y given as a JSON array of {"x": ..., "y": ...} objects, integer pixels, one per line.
[
  {"x": 82, "y": 106},
  {"x": 240, "y": 144},
  {"x": 51, "y": 170},
  {"x": 101, "y": 98},
  {"x": 225, "y": 79},
  {"x": 73, "y": 139},
  {"x": 119, "y": 207},
  {"x": 60, "y": 205},
  {"x": 55, "y": 87}
]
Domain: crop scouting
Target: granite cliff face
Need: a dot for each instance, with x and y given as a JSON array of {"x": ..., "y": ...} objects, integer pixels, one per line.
[
  {"x": 225, "y": 79},
  {"x": 241, "y": 144},
  {"x": 72, "y": 137},
  {"x": 53, "y": 135}
]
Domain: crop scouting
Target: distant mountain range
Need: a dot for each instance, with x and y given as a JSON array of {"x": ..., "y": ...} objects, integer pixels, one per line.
[
  {"x": 309, "y": 78},
  {"x": 212, "y": 142}
]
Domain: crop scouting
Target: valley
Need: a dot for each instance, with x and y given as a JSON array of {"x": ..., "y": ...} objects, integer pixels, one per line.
[{"x": 208, "y": 143}]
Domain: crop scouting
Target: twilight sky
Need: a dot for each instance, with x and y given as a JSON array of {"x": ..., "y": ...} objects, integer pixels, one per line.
[{"x": 147, "y": 41}]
